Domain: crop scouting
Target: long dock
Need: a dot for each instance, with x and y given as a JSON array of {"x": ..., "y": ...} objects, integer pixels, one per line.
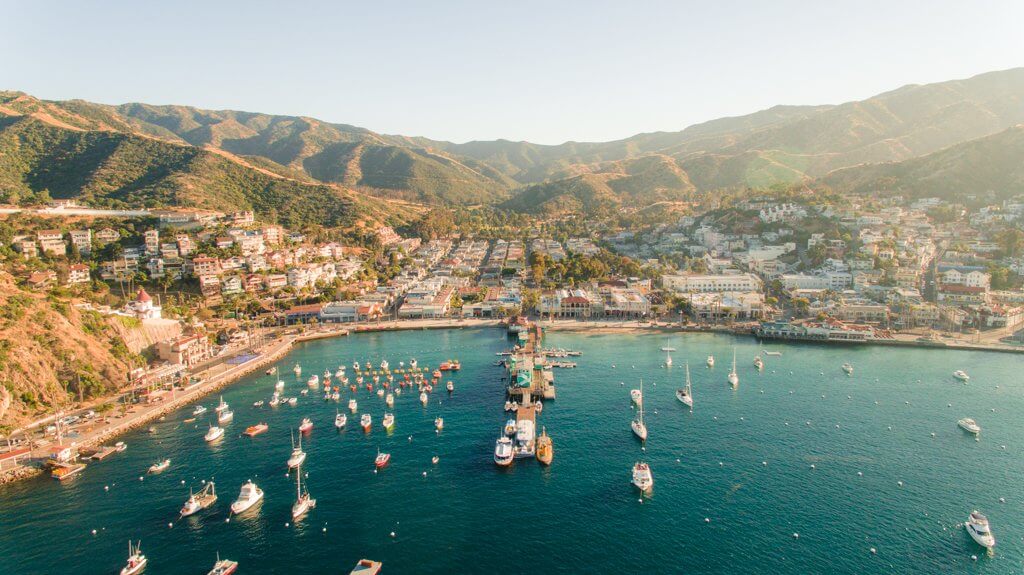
[{"x": 529, "y": 380}]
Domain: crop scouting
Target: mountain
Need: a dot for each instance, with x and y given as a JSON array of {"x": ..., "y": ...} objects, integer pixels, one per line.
[{"x": 992, "y": 163}]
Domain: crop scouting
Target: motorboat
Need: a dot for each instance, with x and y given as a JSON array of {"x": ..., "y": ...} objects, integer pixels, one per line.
[
  {"x": 306, "y": 425},
  {"x": 160, "y": 466},
  {"x": 508, "y": 406},
  {"x": 213, "y": 434},
  {"x": 685, "y": 394},
  {"x": 758, "y": 362},
  {"x": 450, "y": 386},
  {"x": 413, "y": 363},
  {"x": 120, "y": 446},
  {"x": 711, "y": 361},
  {"x": 436, "y": 374},
  {"x": 225, "y": 416},
  {"x": 545, "y": 449},
  {"x": 389, "y": 400},
  {"x": 439, "y": 423},
  {"x": 136, "y": 560},
  {"x": 248, "y": 497},
  {"x": 510, "y": 427},
  {"x": 355, "y": 366},
  {"x": 298, "y": 455},
  {"x": 258, "y": 403},
  {"x": 199, "y": 410},
  {"x": 384, "y": 365},
  {"x": 642, "y": 478},
  {"x": 221, "y": 406},
  {"x": 969, "y": 425},
  {"x": 254, "y": 430},
  {"x": 366, "y": 421},
  {"x": 297, "y": 369},
  {"x": 977, "y": 526},
  {"x": 382, "y": 460},
  {"x": 638, "y": 425},
  {"x": 848, "y": 368},
  {"x": 292, "y": 401},
  {"x": 353, "y": 405},
  {"x": 303, "y": 501},
  {"x": 327, "y": 374},
  {"x": 380, "y": 392},
  {"x": 339, "y": 374},
  {"x": 734, "y": 378},
  {"x": 271, "y": 371},
  {"x": 196, "y": 502},
  {"x": 313, "y": 381},
  {"x": 961, "y": 375},
  {"x": 503, "y": 453},
  {"x": 279, "y": 385},
  {"x": 636, "y": 396},
  {"x": 388, "y": 421},
  {"x": 423, "y": 397},
  {"x": 538, "y": 406},
  {"x": 275, "y": 400},
  {"x": 223, "y": 567},
  {"x": 340, "y": 419}
]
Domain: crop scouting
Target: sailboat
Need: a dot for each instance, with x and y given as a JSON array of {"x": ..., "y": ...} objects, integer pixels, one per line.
[
  {"x": 685, "y": 394},
  {"x": 639, "y": 427},
  {"x": 303, "y": 501},
  {"x": 668, "y": 354},
  {"x": 734, "y": 379}
]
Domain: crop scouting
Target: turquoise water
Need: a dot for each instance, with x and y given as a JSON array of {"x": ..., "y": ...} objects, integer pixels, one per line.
[{"x": 581, "y": 514}]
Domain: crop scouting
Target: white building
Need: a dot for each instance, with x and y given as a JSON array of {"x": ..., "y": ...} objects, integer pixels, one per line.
[{"x": 715, "y": 283}]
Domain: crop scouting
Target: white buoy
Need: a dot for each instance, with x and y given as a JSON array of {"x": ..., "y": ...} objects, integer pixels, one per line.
[
  {"x": 677, "y": 460},
  {"x": 106, "y": 488},
  {"x": 933, "y": 434},
  {"x": 324, "y": 530},
  {"x": 715, "y": 418},
  {"x": 1002, "y": 500},
  {"x": 94, "y": 532},
  {"x": 741, "y": 419},
  {"x": 170, "y": 524},
  {"x": 764, "y": 463},
  {"x": 640, "y": 501},
  {"x": 796, "y": 536},
  {"x": 900, "y": 483},
  {"x": 392, "y": 534},
  {"x": 860, "y": 474},
  {"x": 140, "y": 478},
  {"x": 707, "y": 520},
  {"x": 227, "y": 520},
  {"x": 873, "y": 552},
  {"x": 720, "y": 464},
  {"x": 183, "y": 482},
  {"x": 812, "y": 466},
  {"x": 974, "y": 557},
  {"x": 424, "y": 474},
  {"x": 286, "y": 524}
]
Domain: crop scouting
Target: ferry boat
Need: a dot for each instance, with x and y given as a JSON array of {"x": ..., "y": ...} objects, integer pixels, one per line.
[
  {"x": 977, "y": 526},
  {"x": 254, "y": 430},
  {"x": 136, "y": 560},
  {"x": 439, "y": 423},
  {"x": 213, "y": 434},
  {"x": 248, "y": 497},
  {"x": 199, "y": 410},
  {"x": 313, "y": 381},
  {"x": 423, "y": 398},
  {"x": 382, "y": 460},
  {"x": 642, "y": 478},
  {"x": 545, "y": 449},
  {"x": 196, "y": 502},
  {"x": 389, "y": 400},
  {"x": 848, "y": 368},
  {"x": 685, "y": 394},
  {"x": 225, "y": 416},
  {"x": 353, "y": 405},
  {"x": 961, "y": 375},
  {"x": 159, "y": 466},
  {"x": 503, "y": 453},
  {"x": 365, "y": 422},
  {"x": 449, "y": 386},
  {"x": 306, "y": 425},
  {"x": 711, "y": 361},
  {"x": 340, "y": 419},
  {"x": 221, "y": 406},
  {"x": 303, "y": 501},
  {"x": 223, "y": 567},
  {"x": 389, "y": 421},
  {"x": 969, "y": 425},
  {"x": 734, "y": 378},
  {"x": 510, "y": 427},
  {"x": 298, "y": 455}
]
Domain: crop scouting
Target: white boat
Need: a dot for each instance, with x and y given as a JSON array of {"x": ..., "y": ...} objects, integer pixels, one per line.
[
  {"x": 389, "y": 421},
  {"x": 136, "y": 560},
  {"x": 305, "y": 425},
  {"x": 685, "y": 394},
  {"x": 223, "y": 567},
  {"x": 384, "y": 365},
  {"x": 303, "y": 501},
  {"x": 298, "y": 455},
  {"x": 279, "y": 385},
  {"x": 225, "y": 416},
  {"x": 734, "y": 378},
  {"x": 508, "y": 406},
  {"x": 772, "y": 353},
  {"x": 668, "y": 356},
  {"x": 977, "y": 526},
  {"x": 450, "y": 386},
  {"x": 297, "y": 369},
  {"x": 961, "y": 375},
  {"x": 355, "y": 366},
  {"x": 258, "y": 403},
  {"x": 353, "y": 405},
  {"x": 214, "y": 433},
  {"x": 968, "y": 424},
  {"x": 848, "y": 368},
  {"x": 538, "y": 406},
  {"x": 642, "y": 478},
  {"x": 380, "y": 392},
  {"x": 199, "y": 410},
  {"x": 503, "y": 453},
  {"x": 711, "y": 361},
  {"x": 439, "y": 423},
  {"x": 313, "y": 381},
  {"x": 758, "y": 362},
  {"x": 638, "y": 425},
  {"x": 423, "y": 397},
  {"x": 340, "y": 373},
  {"x": 340, "y": 419},
  {"x": 248, "y": 497},
  {"x": 221, "y": 406},
  {"x": 292, "y": 401},
  {"x": 275, "y": 400},
  {"x": 120, "y": 446},
  {"x": 637, "y": 396},
  {"x": 389, "y": 400},
  {"x": 412, "y": 363},
  {"x": 366, "y": 421},
  {"x": 160, "y": 466},
  {"x": 196, "y": 502}
]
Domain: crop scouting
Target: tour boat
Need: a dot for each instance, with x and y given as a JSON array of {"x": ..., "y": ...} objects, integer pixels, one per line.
[
  {"x": 313, "y": 381},
  {"x": 196, "y": 502},
  {"x": 423, "y": 397},
  {"x": 638, "y": 425},
  {"x": 636, "y": 396},
  {"x": 225, "y": 416},
  {"x": 389, "y": 400},
  {"x": 306, "y": 425},
  {"x": 961, "y": 375},
  {"x": 977, "y": 526},
  {"x": 136, "y": 560},
  {"x": 968, "y": 424},
  {"x": 503, "y": 453},
  {"x": 510, "y": 427},
  {"x": 758, "y": 362},
  {"x": 389, "y": 421},
  {"x": 366, "y": 421},
  {"x": 248, "y": 496},
  {"x": 223, "y": 567},
  {"x": 297, "y": 369},
  {"x": 214, "y": 433},
  {"x": 254, "y": 430},
  {"x": 160, "y": 466},
  {"x": 298, "y": 455},
  {"x": 199, "y": 410},
  {"x": 382, "y": 460},
  {"x": 734, "y": 378},
  {"x": 303, "y": 501},
  {"x": 685, "y": 394},
  {"x": 439, "y": 423},
  {"x": 353, "y": 405},
  {"x": 642, "y": 478},
  {"x": 848, "y": 368},
  {"x": 221, "y": 406},
  {"x": 545, "y": 449},
  {"x": 340, "y": 419}
]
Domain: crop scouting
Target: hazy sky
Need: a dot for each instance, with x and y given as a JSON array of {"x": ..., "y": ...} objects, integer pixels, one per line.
[{"x": 542, "y": 71}]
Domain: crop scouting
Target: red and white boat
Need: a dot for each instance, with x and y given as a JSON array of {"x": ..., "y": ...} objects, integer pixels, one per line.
[
  {"x": 306, "y": 425},
  {"x": 223, "y": 567},
  {"x": 382, "y": 460},
  {"x": 254, "y": 430},
  {"x": 449, "y": 365}
]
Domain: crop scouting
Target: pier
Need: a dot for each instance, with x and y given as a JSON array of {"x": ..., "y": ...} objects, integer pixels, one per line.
[{"x": 529, "y": 380}]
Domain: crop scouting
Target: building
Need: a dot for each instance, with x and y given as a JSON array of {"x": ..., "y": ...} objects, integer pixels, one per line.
[
  {"x": 152, "y": 240},
  {"x": 42, "y": 280},
  {"x": 708, "y": 306},
  {"x": 78, "y": 274},
  {"x": 52, "y": 242},
  {"x": 712, "y": 283},
  {"x": 188, "y": 350},
  {"x": 82, "y": 240},
  {"x": 203, "y": 266},
  {"x": 350, "y": 311},
  {"x": 142, "y": 307}
]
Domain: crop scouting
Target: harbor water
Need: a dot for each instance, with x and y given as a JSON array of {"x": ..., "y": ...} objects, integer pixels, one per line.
[{"x": 801, "y": 469}]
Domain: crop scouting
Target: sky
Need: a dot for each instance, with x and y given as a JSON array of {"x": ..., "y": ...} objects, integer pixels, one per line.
[{"x": 545, "y": 72}]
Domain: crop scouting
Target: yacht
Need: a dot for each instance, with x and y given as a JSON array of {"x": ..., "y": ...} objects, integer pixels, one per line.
[
  {"x": 303, "y": 501},
  {"x": 968, "y": 424},
  {"x": 510, "y": 428},
  {"x": 389, "y": 421},
  {"x": 306, "y": 425},
  {"x": 382, "y": 460},
  {"x": 424, "y": 398},
  {"x": 638, "y": 425},
  {"x": 275, "y": 400},
  {"x": 439, "y": 423},
  {"x": 977, "y": 526},
  {"x": 297, "y": 369},
  {"x": 389, "y": 400},
  {"x": 340, "y": 419},
  {"x": 214, "y": 433},
  {"x": 160, "y": 466},
  {"x": 136, "y": 560},
  {"x": 196, "y": 502},
  {"x": 734, "y": 378},
  {"x": 199, "y": 410},
  {"x": 848, "y": 368},
  {"x": 221, "y": 406},
  {"x": 223, "y": 567},
  {"x": 298, "y": 455},
  {"x": 366, "y": 421},
  {"x": 353, "y": 405},
  {"x": 961, "y": 375},
  {"x": 642, "y": 478},
  {"x": 254, "y": 430},
  {"x": 711, "y": 361},
  {"x": 685, "y": 394},
  {"x": 503, "y": 453},
  {"x": 545, "y": 449},
  {"x": 225, "y": 416},
  {"x": 758, "y": 362},
  {"x": 249, "y": 496}
]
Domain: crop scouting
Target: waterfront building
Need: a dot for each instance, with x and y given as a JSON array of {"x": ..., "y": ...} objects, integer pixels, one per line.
[
  {"x": 712, "y": 283},
  {"x": 187, "y": 350}
]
